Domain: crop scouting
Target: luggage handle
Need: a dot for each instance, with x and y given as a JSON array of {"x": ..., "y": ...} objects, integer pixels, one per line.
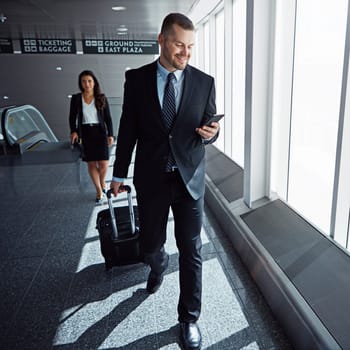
[{"x": 125, "y": 188}]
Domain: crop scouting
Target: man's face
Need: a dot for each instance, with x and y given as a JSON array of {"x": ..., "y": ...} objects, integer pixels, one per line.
[{"x": 176, "y": 48}]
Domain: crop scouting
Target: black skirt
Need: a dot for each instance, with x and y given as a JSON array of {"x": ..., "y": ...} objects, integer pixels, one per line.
[{"x": 95, "y": 143}]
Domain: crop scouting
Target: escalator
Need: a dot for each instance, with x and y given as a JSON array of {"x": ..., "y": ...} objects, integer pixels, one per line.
[{"x": 26, "y": 138}]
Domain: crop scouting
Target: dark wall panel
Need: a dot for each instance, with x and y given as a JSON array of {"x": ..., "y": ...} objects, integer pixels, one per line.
[{"x": 34, "y": 80}]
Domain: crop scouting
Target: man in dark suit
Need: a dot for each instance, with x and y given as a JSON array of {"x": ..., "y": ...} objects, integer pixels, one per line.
[{"x": 165, "y": 117}]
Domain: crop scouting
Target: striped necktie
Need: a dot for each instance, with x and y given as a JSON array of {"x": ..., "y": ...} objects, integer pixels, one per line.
[
  {"x": 169, "y": 113},
  {"x": 169, "y": 106}
]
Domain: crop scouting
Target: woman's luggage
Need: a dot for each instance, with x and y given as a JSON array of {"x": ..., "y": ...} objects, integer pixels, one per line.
[{"x": 118, "y": 230}]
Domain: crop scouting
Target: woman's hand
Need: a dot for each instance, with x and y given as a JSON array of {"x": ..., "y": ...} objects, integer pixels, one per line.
[
  {"x": 74, "y": 137},
  {"x": 110, "y": 140}
]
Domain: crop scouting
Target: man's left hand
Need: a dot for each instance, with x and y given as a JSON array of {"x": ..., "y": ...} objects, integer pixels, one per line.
[{"x": 208, "y": 132}]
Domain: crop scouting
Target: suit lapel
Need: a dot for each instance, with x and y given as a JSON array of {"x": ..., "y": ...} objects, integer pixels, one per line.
[
  {"x": 187, "y": 90},
  {"x": 155, "y": 105},
  {"x": 153, "y": 101}
]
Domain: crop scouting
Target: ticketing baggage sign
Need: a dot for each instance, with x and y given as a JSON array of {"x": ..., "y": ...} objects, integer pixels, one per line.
[
  {"x": 48, "y": 46},
  {"x": 126, "y": 47},
  {"x": 6, "y": 45}
]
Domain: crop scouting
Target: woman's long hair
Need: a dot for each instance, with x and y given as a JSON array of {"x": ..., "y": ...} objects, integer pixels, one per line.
[{"x": 100, "y": 98}]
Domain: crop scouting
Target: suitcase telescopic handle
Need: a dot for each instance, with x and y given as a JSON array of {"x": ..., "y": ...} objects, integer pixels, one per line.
[
  {"x": 124, "y": 188},
  {"x": 127, "y": 189}
]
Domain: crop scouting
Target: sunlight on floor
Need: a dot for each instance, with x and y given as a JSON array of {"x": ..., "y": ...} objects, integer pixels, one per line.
[{"x": 131, "y": 315}]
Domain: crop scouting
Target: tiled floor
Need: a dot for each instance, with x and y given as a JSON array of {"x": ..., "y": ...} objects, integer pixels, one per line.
[{"x": 56, "y": 294}]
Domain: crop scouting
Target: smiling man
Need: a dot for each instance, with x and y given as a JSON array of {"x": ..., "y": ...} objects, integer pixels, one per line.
[{"x": 165, "y": 104}]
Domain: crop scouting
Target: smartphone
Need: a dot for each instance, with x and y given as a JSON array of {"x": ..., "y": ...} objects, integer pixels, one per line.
[{"x": 213, "y": 118}]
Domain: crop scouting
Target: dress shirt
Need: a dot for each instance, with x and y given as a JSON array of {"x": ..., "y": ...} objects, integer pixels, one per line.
[{"x": 162, "y": 76}]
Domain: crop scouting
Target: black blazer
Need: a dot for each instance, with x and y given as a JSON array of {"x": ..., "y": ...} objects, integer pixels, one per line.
[
  {"x": 142, "y": 123},
  {"x": 76, "y": 116}
]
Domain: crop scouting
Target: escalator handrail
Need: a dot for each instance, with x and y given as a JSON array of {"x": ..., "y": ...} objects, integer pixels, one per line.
[
  {"x": 14, "y": 109},
  {"x": 3, "y": 131}
]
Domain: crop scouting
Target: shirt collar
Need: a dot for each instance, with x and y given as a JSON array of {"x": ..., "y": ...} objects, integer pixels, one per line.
[{"x": 164, "y": 72}]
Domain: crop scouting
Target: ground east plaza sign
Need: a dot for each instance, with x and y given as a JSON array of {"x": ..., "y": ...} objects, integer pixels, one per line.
[
  {"x": 48, "y": 46},
  {"x": 138, "y": 47}
]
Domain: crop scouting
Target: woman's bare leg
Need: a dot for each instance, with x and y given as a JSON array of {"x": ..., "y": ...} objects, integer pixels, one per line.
[
  {"x": 94, "y": 172},
  {"x": 103, "y": 168}
]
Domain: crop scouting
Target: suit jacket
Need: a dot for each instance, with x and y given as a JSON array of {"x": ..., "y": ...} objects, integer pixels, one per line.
[
  {"x": 76, "y": 116},
  {"x": 142, "y": 123}
]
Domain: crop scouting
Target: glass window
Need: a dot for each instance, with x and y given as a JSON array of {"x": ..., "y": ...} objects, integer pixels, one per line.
[
  {"x": 206, "y": 45},
  {"x": 220, "y": 73},
  {"x": 318, "y": 62},
  {"x": 238, "y": 80}
]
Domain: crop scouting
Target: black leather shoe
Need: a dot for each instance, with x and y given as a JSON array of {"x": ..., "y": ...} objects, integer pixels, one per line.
[
  {"x": 190, "y": 336},
  {"x": 154, "y": 281}
]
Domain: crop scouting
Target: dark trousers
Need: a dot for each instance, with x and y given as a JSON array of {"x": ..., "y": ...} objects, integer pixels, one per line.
[{"x": 188, "y": 214}]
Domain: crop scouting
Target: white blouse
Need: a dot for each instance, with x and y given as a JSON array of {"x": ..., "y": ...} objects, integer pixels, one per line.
[{"x": 89, "y": 112}]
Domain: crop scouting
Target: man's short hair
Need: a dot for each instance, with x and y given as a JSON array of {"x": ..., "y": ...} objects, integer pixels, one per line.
[{"x": 176, "y": 18}]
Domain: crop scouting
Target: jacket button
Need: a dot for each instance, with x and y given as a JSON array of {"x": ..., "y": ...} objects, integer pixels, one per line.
[{"x": 170, "y": 137}]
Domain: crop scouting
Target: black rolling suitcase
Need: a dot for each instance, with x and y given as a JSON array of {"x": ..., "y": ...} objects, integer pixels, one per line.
[{"x": 119, "y": 233}]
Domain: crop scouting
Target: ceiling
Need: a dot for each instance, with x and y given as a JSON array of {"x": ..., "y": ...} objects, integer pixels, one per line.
[
  {"x": 86, "y": 19},
  {"x": 25, "y": 78}
]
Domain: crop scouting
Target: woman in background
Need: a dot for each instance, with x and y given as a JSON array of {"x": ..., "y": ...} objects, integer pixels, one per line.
[{"x": 91, "y": 124}]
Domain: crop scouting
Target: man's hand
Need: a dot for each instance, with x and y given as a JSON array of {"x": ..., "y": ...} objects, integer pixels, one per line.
[
  {"x": 115, "y": 187},
  {"x": 208, "y": 132}
]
